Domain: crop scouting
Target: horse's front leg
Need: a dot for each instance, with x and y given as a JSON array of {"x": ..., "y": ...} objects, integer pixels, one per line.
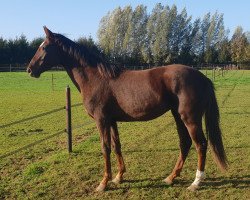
[
  {"x": 104, "y": 128},
  {"x": 115, "y": 141}
]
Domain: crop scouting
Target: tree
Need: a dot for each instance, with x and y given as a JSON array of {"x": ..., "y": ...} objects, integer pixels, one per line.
[
  {"x": 88, "y": 42},
  {"x": 247, "y": 55},
  {"x": 216, "y": 35},
  {"x": 182, "y": 38},
  {"x": 159, "y": 33},
  {"x": 4, "y": 54},
  {"x": 33, "y": 46},
  {"x": 196, "y": 49},
  {"x": 19, "y": 50},
  {"x": 166, "y": 35},
  {"x": 122, "y": 33},
  {"x": 152, "y": 50},
  {"x": 238, "y": 45},
  {"x": 248, "y": 36},
  {"x": 112, "y": 31},
  {"x": 224, "y": 55},
  {"x": 205, "y": 23},
  {"x": 137, "y": 33},
  {"x": 102, "y": 34}
]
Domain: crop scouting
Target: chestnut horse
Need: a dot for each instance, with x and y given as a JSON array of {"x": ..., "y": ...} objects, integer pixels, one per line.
[{"x": 111, "y": 94}]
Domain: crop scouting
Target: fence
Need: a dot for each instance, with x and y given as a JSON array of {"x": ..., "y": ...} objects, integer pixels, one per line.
[
  {"x": 68, "y": 125},
  {"x": 212, "y": 71},
  {"x": 215, "y": 72},
  {"x": 20, "y": 67},
  {"x": 13, "y": 67}
]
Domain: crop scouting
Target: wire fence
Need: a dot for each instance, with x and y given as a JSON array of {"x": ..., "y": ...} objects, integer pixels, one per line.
[
  {"x": 212, "y": 71},
  {"x": 13, "y": 67},
  {"x": 77, "y": 124},
  {"x": 49, "y": 117},
  {"x": 17, "y": 67}
]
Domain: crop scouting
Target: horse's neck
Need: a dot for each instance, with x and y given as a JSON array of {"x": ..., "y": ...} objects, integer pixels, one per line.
[
  {"x": 73, "y": 78},
  {"x": 85, "y": 79}
]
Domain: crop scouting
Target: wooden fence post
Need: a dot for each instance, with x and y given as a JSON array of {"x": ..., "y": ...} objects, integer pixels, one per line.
[
  {"x": 68, "y": 119},
  {"x": 213, "y": 74},
  {"x": 52, "y": 81}
]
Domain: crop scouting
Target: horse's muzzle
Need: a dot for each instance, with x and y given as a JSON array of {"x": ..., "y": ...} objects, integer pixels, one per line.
[{"x": 31, "y": 73}]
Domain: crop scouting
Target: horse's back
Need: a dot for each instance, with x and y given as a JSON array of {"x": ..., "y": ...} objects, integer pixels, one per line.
[{"x": 179, "y": 78}]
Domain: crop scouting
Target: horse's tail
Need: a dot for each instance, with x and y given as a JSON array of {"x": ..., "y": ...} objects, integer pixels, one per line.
[{"x": 212, "y": 118}]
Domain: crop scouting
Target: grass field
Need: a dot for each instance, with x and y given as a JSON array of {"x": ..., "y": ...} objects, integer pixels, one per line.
[{"x": 47, "y": 171}]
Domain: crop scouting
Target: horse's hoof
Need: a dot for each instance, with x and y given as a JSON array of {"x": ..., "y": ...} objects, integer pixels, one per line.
[
  {"x": 100, "y": 188},
  {"x": 117, "y": 180},
  {"x": 168, "y": 181},
  {"x": 193, "y": 188}
]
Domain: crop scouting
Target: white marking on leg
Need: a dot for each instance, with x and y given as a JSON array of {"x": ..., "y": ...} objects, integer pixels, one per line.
[
  {"x": 200, "y": 176},
  {"x": 42, "y": 44}
]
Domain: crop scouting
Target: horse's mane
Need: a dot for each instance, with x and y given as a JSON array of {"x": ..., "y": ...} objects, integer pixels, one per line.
[{"x": 87, "y": 56}]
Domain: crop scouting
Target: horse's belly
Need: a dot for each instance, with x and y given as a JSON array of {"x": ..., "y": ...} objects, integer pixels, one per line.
[
  {"x": 143, "y": 101},
  {"x": 141, "y": 112}
]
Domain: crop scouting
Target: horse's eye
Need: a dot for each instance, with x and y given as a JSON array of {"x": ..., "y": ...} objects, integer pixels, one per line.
[{"x": 43, "y": 48}]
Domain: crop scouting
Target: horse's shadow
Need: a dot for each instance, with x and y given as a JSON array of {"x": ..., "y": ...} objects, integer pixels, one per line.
[
  {"x": 242, "y": 182},
  {"x": 140, "y": 183},
  {"x": 146, "y": 183}
]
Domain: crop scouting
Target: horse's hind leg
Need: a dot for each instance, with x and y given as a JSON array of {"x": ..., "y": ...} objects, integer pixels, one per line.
[
  {"x": 185, "y": 144},
  {"x": 195, "y": 130},
  {"x": 115, "y": 141}
]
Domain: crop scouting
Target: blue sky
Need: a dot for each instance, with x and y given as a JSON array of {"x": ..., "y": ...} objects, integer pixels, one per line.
[{"x": 77, "y": 18}]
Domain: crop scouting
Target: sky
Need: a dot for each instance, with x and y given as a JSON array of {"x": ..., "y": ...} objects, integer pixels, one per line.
[{"x": 78, "y": 18}]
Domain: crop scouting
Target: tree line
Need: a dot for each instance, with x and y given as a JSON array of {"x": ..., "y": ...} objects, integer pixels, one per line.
[
  {"x": 21, "y": 51},
  {"x": 18, "y": 50},
  {"x": 130, "y": 36},
  {"x": 163, "y": 36}
]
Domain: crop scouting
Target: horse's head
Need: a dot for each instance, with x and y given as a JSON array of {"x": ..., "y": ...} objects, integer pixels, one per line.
[{"x": 46, "y": 57}]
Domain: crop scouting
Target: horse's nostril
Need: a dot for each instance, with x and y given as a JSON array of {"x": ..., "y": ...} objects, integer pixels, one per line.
[{"x": 29, "y": 70}]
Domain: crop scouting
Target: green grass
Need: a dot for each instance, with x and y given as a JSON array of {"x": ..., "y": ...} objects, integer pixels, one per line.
[{"x": 47, "y": 171}]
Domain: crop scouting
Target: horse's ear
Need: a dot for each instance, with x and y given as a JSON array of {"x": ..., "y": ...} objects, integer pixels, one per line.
[{"x": 48, "y": 33}]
